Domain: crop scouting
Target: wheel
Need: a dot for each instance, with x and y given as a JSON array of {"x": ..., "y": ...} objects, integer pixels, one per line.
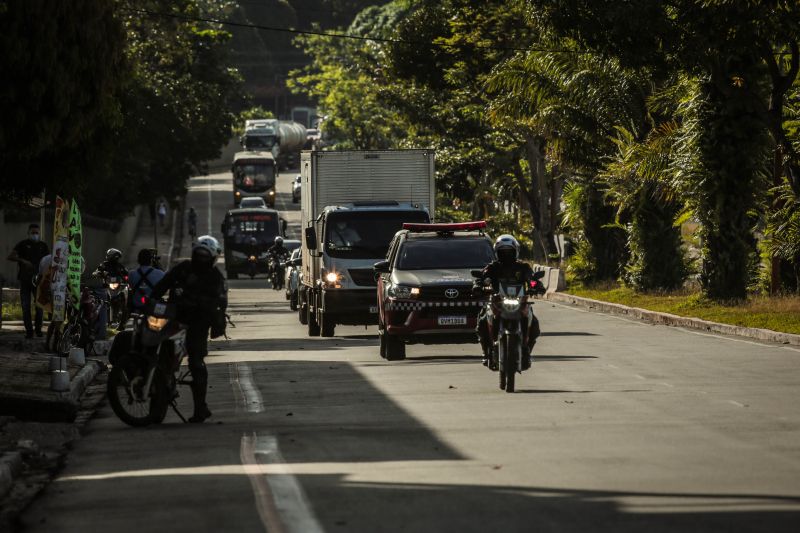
[
  {"x": 231, "y": 274},
  {"x": 293, "y": 301},
  {"x": 302, "y": 314},
  {"x": 512, "y": 356},
  {"x": 395, "y": 348},
  {"x": 502, "y": 380},
  {"x": 125, "y": 395},
  {"x": 382, "y": 339},
  {"x": 311, "y": 322},
  {"x": 327, "y": 325}
]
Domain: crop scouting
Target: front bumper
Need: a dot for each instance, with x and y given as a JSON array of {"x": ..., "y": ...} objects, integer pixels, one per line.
[
  {"x": 351, "y": 306},
  {"x": 419, "y": 322}
]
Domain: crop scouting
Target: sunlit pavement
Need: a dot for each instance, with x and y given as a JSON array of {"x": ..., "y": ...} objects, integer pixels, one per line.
[{"x": 619, "y": 426}]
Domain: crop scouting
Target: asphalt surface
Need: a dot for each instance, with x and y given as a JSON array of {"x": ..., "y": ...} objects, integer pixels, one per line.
[{"x": 619, "y": 426}]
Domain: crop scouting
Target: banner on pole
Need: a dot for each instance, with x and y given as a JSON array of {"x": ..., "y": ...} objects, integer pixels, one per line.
[
  {"x": 59, "y": 262},
  {"x": 75, "y": 268}
]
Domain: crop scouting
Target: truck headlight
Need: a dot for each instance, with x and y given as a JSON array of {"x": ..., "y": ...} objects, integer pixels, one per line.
[
  {"x": 331, "y": 277},
  {"x": 333, "y": 280},
  {"x": 403, "y": 292}
]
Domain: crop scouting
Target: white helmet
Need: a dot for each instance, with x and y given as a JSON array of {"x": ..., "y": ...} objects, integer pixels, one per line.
[
  {"x": 209, "y": 243},
  {"x": 506, "y": 242}
]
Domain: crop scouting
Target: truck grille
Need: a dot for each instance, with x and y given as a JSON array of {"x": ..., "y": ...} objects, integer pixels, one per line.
[{"x": 364, "y": 277}]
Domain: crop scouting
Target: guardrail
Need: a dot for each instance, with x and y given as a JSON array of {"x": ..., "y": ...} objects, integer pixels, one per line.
[{"x": 553, "y": 279}]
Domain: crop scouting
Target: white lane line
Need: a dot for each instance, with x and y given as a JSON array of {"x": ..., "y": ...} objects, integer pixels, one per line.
[
  {"x": 208, "y": 188},
  {"x": 668, "y": 385},
  {"x": 737, "y": 404},
  {"x": 265, "y": 501},
  {"x": 640, "y": 376},
  {"x": 288, "y": 497},
  {"x": 242, "y": 383}
]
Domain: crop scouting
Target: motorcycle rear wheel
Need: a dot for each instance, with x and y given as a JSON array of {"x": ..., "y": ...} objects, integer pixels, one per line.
[{"x": 125, "y": 382}]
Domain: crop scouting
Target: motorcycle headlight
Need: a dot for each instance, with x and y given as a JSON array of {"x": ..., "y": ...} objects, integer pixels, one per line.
[
  {"x": 113, "y": 286},
  {"x": 155, "y": 323},
  {"x": 252, "y": 258},
  {"x": 272, "y": 193},
  {"x": 511, "y": 305}
]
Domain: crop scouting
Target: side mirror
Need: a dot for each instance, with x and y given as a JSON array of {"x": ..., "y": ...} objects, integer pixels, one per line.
[
  {"x": 311, "y": 238},
  {"x": 476, "y": 273},
  {"x": 538, "y": 275},
  {"x": 381, "y": 267}
]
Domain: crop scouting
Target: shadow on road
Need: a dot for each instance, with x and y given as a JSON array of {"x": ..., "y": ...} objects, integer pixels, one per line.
[
  {"x": 275, "y": 344},
  {"x": 568, "y": 334}
]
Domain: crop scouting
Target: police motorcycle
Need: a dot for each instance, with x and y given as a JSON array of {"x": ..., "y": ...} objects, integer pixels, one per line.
[
  {"x": 509, "y": 319},
  {"x": 146, "y": 370}
]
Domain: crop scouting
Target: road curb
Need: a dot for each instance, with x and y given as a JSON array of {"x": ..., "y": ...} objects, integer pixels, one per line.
[
  {"x": 668, "y": 319},
  {"x": 10, "y": 467},
  {"x": 79, "y": 383}
]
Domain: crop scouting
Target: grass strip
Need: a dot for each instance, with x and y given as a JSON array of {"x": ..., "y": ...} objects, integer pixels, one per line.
[{"x": 774, "y": 313}]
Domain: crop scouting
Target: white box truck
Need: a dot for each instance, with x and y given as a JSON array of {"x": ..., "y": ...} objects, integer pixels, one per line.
[{"x": 353, "y": 202}]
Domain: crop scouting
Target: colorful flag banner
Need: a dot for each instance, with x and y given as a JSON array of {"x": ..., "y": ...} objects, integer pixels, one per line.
[
  {"x": 75, "y": 268},
  {"x": 59, "y": 262}
]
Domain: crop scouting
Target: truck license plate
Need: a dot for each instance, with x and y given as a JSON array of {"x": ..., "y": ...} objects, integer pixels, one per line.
[
  {"x": 373, "y": 308},
  {"x": 452, "y": 321}
]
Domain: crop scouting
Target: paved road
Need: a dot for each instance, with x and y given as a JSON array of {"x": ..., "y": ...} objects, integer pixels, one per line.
[{"x": 619, "y": 426}]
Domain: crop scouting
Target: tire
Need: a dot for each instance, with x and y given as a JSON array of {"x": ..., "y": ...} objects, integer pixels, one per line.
[
  {"x": 395, "y": 348},
  {"x": 302, "y": 314},
  {"x": 327, "y": 326},
  {"x": 382, "y": 340},
  {"x": 512, "y": 355},
  {"x": 311, "y": 322},
  {"x": 293, "y": 301},
  {"x": 502, "y": 380},
  {"x": 148, "y": 413}
]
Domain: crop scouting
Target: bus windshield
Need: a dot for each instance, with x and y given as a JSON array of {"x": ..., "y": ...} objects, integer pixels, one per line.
[
  {"x": 240, "y": 228},
  {"x": 253, "y": 177},
  {"x": 365, "y": 234}
]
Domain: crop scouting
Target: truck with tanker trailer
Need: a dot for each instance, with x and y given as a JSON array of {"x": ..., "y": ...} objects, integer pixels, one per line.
[
  {"x": 283, "y": 138},
  {"x": 353, "y": 203}
]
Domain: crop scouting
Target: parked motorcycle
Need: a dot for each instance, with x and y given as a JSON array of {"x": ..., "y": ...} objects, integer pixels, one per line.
[
  {"x": 78, "y": 327},
  {"x": 146, "y": 370},
  {"x": 509, "y": 321}
]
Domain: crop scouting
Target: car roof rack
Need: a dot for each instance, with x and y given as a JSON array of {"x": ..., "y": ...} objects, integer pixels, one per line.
[{"x": 450, "y": 227}]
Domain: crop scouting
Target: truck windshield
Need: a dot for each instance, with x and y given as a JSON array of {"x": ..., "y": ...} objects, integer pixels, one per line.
[
  {"x": 444, "y": 253},
  {"x": 253, "y": 177},
  {"x": 257, "y": 143},
  {"x": 239, "y": 229},
  {"x": 365, "y": 234}
]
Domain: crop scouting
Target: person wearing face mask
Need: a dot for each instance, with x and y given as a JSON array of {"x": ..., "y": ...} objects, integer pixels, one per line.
[
  {"x": 27, "y": 254},
  {"x": 201, "y": 296},
  {"x": 506, "y": 268}
]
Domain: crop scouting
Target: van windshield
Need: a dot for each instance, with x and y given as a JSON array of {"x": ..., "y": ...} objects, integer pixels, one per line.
[{"x": 366, "y": 234}]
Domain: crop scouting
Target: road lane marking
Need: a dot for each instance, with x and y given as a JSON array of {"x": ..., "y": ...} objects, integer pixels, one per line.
[
  {"x": 265, "y": 501},
  {"x": 640, "y": 376},
  {"x": 737, "y": 404},
  {"x": 668, "y": 385},
  {"x": 242, "y": 381}
]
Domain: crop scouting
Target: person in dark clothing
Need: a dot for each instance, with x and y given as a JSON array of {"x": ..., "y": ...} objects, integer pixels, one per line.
[
  {"x": 27, "y": 254},
  {"x": 506, "y": 268},
  {"x": 278, "y": 250},
  {"x": 111, "y": 265},
  {"x": 201, "y": 296}
]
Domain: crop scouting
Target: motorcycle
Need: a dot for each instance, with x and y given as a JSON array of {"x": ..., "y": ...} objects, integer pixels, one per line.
[
  {"x": 252, "y": 266},
  {"x": 117, "y": 287},
  {"x": 146, "y": 370},
  {"x": 78, "y": 327},
  {"x": 509, "y": 321},
  {"x": 276, "y": 266}
]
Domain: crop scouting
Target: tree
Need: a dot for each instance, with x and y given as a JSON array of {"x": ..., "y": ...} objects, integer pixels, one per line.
[{"x": 62, "y": 68}]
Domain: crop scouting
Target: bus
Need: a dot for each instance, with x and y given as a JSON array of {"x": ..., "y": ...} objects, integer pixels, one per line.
[
  {"x": 254, "y": 175},
  {"x": 239, "y": 226}
]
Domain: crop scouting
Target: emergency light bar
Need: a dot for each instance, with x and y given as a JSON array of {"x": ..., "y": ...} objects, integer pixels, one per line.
[{"x": 446, "y": 228}]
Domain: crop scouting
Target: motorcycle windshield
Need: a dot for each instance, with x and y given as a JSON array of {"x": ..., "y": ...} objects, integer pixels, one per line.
[{"x": 512, "y": 290}]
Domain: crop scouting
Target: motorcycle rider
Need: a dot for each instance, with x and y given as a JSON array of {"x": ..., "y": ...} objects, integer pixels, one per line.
[
  {"x": 143, "y": 279},
  {"x": 111, "y": 266},
  {"x": 201, "y": 297},
  {"x": 505, "y": 268},
  {"x": 278, "y": 252}
]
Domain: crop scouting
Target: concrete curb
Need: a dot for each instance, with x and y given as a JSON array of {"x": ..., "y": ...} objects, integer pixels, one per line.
[
  {"x": 10, "y": 467},
  {"x": 79, "y": 383},
  {"x": 668, "y": 319}
]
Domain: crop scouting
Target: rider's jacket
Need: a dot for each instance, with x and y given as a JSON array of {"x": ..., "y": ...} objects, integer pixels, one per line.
[
  {"x": 201, "y": 294},
  {"x": 516, "y": 272},
  {"x": 277, "y": 250}
]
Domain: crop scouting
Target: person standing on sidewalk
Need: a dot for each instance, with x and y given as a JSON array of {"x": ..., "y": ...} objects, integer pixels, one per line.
[
  {"x": 162, "y": 213},
  {"x": 27, "y": 254}
]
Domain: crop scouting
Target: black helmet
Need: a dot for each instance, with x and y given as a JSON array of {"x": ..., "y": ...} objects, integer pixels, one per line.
[{"x": 113, "y": 255}]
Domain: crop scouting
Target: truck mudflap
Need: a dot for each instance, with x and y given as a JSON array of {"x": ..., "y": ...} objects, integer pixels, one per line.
[{"x": 351, "y": 306}]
